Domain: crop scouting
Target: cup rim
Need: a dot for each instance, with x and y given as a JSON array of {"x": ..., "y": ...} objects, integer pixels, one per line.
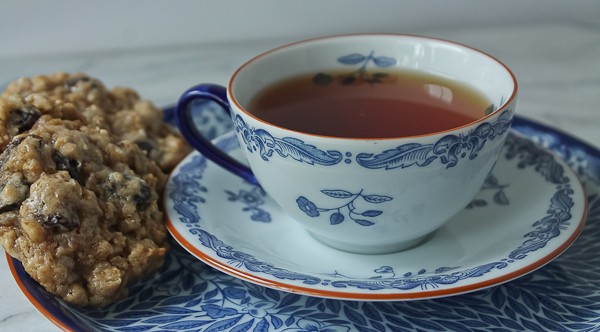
[{"x": 508, "y": 101}]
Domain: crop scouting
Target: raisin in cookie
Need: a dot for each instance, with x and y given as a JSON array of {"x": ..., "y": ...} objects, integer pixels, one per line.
[
  {"x": 79, "y": 210},
  {"x": 80, "y": 97}
]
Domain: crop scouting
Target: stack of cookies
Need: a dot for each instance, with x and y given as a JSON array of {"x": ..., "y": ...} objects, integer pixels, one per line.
[{"x": 82, "y": 169}]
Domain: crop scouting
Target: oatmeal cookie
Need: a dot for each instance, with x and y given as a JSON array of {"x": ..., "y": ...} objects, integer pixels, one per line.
[
  {"x": 81, "y": 171},
  {"x": 80, "y": 211},
  {"x": 80, "y": 97}
]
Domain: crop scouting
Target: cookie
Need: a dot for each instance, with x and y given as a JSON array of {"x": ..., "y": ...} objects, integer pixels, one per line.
[
  {"x": 81, "y": 172},
  {"x": 80, "y": 97}
]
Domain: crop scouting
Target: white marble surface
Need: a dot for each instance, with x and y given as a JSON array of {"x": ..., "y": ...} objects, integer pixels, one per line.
[
  {"x": 557, "y": 66},
  {"x": 115, "y": 24}
]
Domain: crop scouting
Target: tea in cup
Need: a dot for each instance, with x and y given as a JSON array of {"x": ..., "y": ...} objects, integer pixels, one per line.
[{"x": 370, "y": 141}]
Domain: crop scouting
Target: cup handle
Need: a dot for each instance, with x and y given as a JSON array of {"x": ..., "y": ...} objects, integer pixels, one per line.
[{"x": 184, "y": 120}]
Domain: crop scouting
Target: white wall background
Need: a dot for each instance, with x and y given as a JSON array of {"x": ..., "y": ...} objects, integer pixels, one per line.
[{"x": 64, "y": 26}]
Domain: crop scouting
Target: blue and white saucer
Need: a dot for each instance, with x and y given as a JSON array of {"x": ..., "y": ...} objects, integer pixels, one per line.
[
  {"x": 531, "y": 208},
  {"x": 188, "y": 295}
]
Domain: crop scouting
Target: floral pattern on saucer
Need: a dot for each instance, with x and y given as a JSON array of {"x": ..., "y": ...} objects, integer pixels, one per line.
[{"x": 187, "y": 295}]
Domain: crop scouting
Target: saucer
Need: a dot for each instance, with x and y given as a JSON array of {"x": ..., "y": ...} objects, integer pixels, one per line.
[
  {"x": 530, "y": 209},
  {"x": 187, "y": 294}
]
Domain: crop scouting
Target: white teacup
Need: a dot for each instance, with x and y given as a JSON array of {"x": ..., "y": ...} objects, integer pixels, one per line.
[{"x": 363, "y": 195}]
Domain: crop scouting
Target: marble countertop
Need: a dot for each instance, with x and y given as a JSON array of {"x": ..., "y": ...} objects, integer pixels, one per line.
[{"x": 557, "y": 66}]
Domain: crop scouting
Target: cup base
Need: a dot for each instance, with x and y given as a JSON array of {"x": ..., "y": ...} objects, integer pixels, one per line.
[{"x": 369, "y": 249}]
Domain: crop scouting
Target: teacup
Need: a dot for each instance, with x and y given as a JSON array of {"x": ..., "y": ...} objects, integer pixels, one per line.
[{"x": 363, "y": 195}]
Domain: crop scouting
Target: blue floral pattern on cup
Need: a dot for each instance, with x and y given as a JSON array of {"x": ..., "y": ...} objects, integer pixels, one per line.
[
  {"x": 262, "y": 142},
  {"x": 448, "y": 150},
  {"x": 360, "y": 75},
  {"x": 345, "y": 210}
]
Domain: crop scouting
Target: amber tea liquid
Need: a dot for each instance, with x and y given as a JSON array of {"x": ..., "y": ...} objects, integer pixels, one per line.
[{"x": 369, "y": 104}]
